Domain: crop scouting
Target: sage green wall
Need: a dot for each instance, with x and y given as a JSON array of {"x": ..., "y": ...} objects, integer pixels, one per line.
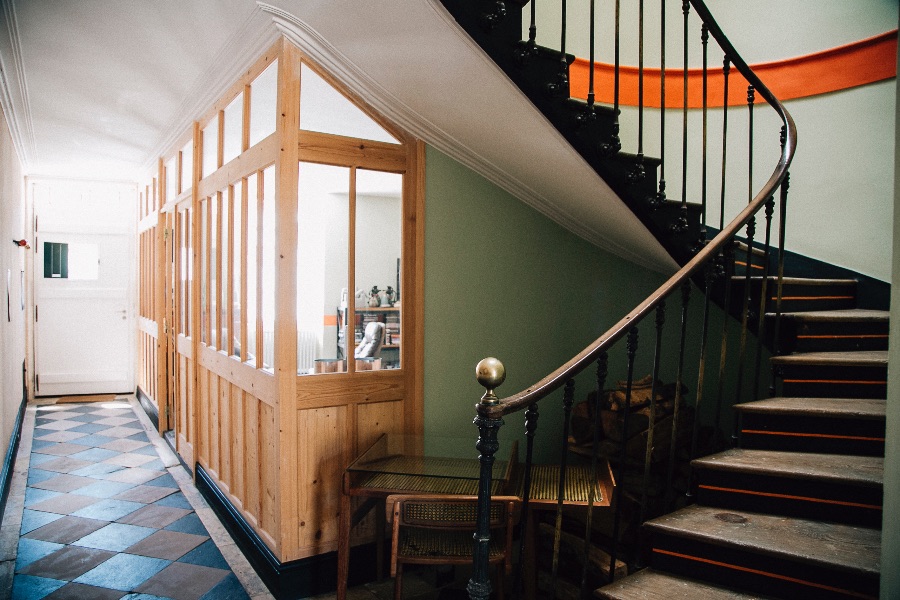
[{"x": 503, "y": 280}]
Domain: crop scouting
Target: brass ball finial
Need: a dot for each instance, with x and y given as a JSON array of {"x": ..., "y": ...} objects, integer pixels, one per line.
[{"x": 490, "y": 373}]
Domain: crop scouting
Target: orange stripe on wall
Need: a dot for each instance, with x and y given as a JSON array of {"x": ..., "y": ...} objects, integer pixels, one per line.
[
  {"x": 858, "y": 63},
  {"x": 329, "y": 320}
]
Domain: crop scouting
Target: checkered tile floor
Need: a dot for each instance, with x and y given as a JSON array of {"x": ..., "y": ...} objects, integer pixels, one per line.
[{"x": 104, "y": 518}]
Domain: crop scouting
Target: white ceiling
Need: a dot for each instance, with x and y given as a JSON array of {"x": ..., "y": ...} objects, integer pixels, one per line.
[{"x": 100, "y": 88}]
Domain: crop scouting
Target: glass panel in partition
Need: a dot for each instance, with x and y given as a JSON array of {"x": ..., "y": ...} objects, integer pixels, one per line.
[
  {"x": 323, "y": 215},
  {"x": 204, "y": 270},
  {"x": 268, "y": 268},
  {"x": 187, "y": 167},
  {"x": 238, "y": 282},
  {"x": 225, "y": 270},
  {"x": 232, "y": 129},
  {"x": 210, "y": 148},
  {"x": 378, "y": 243},
  {"x": 263, "y": 94},
  {"x": 324, "y": 109},
  {"x": 171, "y": 179},
  {"x": 252, "y": 267},
  {"x": 215, "y": 260}
]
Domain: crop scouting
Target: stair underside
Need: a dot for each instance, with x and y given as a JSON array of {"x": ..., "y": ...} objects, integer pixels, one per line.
[
  {"x": 859, "y": 470},
  {"x": 840, "y": 548},
  {"x": 649, "y": 584},
  {"x": 838, "y": 408}
]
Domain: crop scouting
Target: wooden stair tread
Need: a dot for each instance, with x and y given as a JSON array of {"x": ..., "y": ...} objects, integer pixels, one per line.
[
  {"x": 800, "y": 280},
  {"x": 841, "y": 548},
  {"x": 650, "y": 584},
  {"x": 846, "y": 408},
  {"x": 865, "y": 471},
  {"x": 862, "y": 358},
  {"x": 845, "y": 315}
]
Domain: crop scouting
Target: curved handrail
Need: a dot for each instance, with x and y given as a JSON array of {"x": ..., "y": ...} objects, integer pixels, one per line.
[{"x": 557, "y": 378}]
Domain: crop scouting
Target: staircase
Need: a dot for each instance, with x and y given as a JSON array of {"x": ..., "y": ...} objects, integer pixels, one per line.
[{"x": 795, "y": 510}]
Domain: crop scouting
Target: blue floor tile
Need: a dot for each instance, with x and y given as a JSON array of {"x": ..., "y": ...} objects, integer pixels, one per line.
[
  {"x": 123, "y": 572},
  {"x": 140, "y": 437},
  {"x": 39, "y": 475},
  {"x": 32, "y": 550},
  {"x": 207, "y": 555},
  {"x": 97, "y": 470},
  {"x": 29, "y": 587},
  {"x": 146, "y": 451},
  {"x": 164, "y": 481},
  {"x": 154, "y": 465},
  {"x": 35, "y": 495},
  {"x": 95, "y": 454},
  {"x": 83, "y": 409},
  {"x": 90, "y": 428},
  {"x": 84, "y": 418},
  {"x": 104, "y": 489},
  {"x": 38, "y": 458},
  {"x": 108, "y": 510},
  {"x": 176, "y": 500},
  {"x": 37, "y": 444},
  {"x": 189, "y": 524},
  {"x": 227, "y": 589},
  {"x": 95, "y": 439},
  {"x": 115, "y": 537},
  {"x": 143, "y": 597},
  {"x": 33, "y": 519}
]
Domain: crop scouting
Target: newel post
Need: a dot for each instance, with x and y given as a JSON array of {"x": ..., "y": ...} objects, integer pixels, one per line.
[{"x": 490, "y": 373}]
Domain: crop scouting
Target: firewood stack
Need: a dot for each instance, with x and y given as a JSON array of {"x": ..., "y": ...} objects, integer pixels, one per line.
[{"x": 612, "y": 438}]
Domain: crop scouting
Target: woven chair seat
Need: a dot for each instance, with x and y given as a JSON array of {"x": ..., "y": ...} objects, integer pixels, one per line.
[
  {"x": 545, "y": 485},
  {"x": 418, "y": 543}
]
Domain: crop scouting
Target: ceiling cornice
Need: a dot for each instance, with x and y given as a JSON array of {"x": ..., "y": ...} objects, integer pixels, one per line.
[
  {"x": 256, "y": 35},
  {"x": 14, "y": 89},
  {"x": 358, "y": 81}
]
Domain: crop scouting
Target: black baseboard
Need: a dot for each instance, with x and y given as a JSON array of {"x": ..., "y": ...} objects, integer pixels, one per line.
[
  {"x": 286, "y": 581},
  {"x": 148, "y": 406},
  {"x": 9, "y": 461}
]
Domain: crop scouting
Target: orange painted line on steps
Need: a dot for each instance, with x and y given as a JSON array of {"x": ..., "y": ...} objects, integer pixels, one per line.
[
  {"x": 717, "y": 563},
  {"x": 774, "y": 298},
  {"x": 839, "y": 381},
  {"x": 790, "y": 497},
  {"x": 867, "y": 336},
  {"x": 743, "y": 264},
  {"x": 830, "y": 436},
  {"x": 851, "y": 65}
]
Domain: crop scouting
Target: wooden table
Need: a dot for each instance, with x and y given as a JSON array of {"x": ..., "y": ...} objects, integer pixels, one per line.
[{"x": 408, "y": 464}]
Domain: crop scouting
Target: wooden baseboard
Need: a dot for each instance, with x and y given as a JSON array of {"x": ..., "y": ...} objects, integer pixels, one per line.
[{"x": 286, "y": 580}]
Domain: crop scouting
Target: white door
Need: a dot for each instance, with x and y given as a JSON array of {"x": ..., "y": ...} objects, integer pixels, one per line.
[{"x": 83, "y": 281}]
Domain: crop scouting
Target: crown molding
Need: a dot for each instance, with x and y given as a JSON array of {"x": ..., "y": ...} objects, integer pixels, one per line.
[
  {"x": 14, "y": 89},
  {"x": 256, "y": 35}
]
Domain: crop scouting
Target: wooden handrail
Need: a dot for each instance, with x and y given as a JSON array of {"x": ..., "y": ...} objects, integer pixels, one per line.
[{"x": 525, "y": 398}]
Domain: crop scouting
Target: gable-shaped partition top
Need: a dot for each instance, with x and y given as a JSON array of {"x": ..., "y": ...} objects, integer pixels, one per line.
[{"x": 281, "y": 263}]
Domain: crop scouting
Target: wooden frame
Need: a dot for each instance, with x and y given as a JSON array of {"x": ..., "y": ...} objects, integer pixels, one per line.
[{"x": 275, "y": 444}]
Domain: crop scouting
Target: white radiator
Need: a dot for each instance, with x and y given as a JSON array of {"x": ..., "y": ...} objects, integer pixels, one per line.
[{"x": 307, "y": 347}]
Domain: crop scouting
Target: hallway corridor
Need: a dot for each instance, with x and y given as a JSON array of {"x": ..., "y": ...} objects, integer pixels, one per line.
[{"x": 99, "y": 509}]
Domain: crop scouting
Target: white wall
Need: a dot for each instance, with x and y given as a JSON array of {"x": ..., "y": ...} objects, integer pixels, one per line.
[{"x": 12, "y": 265}]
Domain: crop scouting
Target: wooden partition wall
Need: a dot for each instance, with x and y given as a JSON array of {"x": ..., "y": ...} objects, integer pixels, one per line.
[{"x": 219, "y": 276}]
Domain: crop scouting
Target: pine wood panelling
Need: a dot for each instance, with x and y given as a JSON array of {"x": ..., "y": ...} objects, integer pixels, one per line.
[{"x": 268, "y": 477}]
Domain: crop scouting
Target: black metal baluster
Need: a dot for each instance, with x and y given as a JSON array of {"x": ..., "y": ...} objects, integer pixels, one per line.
[
  {"x": 614, "y": 144},
  {"x": 658, "y": 199},
  {"x": 561, "y": 85},
  {"x": 785, "y": 185},
  {"x": 745, "y": 309},
  {"x": 589, "y": 113},
  {"x": 568, "y": 399},
  {"x": 492, "y": 19},
  {"x": 681, "y": 223},
  {"x": 708, "y": 277},
  {"x": 726, "y": 70},
  {"x": 679, "y": 383},
  {"x": 631, "y": 349},
  {"x": 648, "y": 452},
  {"x": 704, "y": 40},
  {"x": 638, "y": 173},
  {"x": 602, "y": 371},
  {"x": 525, "y": 51},
  {"x": 763, "y": 297},
  {"x": 490, "y": 374},
  {"x": 531, "y": 422},
  {"x": 728, "y": 269}
]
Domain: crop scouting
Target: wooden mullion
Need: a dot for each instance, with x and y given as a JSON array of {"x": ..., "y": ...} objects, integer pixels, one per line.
[
  {"x": 351, "y": 272},
  {"x": 158, "y": 276},
  {"x": 260, "y": 196},
  {"x": 207, "y": 240},
  {"x": 245, "y": 120},
  {"x": 220, "y": 139},
  {"x": 219, "y": 268},
  {"x": 195, "y": 320}
]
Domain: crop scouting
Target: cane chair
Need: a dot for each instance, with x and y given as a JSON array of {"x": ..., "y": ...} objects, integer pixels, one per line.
[{"x": 438, "y": 530}]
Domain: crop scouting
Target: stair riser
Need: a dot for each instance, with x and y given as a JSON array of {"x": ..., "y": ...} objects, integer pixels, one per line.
[
  {"x": 745, "y": 569},
  {"x": 799, "y": 336},
  {"x": 810, "y": 499},
  {"x": 823, "y": 381},
  {"x": 805, "y": 433}
]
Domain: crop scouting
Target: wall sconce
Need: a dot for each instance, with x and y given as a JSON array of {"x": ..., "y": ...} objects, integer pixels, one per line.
[{"x": 22, "y": 244}]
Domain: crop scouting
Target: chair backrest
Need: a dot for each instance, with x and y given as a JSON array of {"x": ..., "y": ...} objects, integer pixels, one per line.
[
  {"x": 373, "y": 340},
  {"x": 448, "y": 511}
]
